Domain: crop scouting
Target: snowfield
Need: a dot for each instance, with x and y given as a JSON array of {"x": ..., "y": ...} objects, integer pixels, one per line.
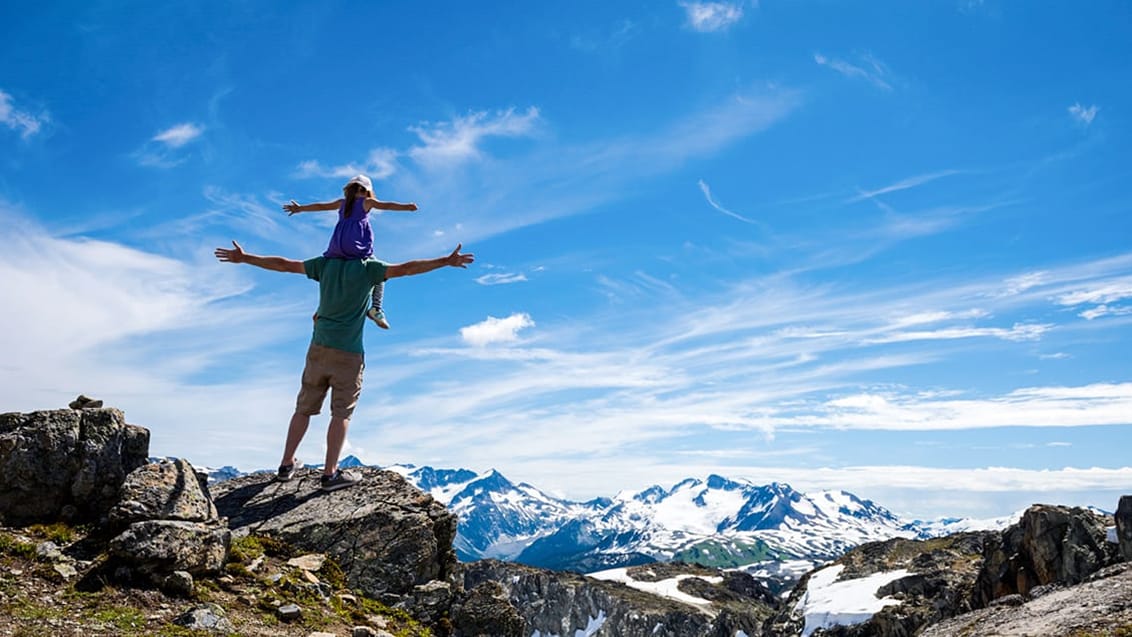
[
  {"x": 829, "y": 602},
  {"x": 664, "y": 588}
]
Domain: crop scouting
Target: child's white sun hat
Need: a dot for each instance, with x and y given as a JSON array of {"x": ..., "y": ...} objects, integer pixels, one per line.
[{"x": 363, "y": 181}]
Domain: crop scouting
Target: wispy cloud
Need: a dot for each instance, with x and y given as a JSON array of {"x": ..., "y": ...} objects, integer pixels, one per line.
[
  {"x": 179, "y": 135},
  {"x": 496, "y": 330},
  {"x": 766, "y": 356},
  {"x": 519, "y": 185},
  {"x": 1082, "y": 114},
  {"x": 458, "y": 140},
  {"x": 707, "y": 17},
  {"x": 1102, "y": 296},
  {"x": 1101, "y": 404},
  {"x": 501, "y": 278},
  {"x": 165, "y": 149},
  {"x": 1017, "y": 332},
  {"x": 714, "y": 204},
  {"x": 867, "y": 68},
  {"x": 904, "y": 184},
  {"x": 21, "y": 121},
  {"x": 380, "y": 164}
]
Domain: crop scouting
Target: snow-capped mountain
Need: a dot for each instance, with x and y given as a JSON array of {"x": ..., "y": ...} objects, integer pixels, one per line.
[
  {"x": 497, "y": 517},
  {"x": 948, "y": 526},
  {"x": 717, "y": 522}
]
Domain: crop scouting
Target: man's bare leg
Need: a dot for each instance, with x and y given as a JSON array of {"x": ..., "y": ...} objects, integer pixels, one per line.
[
  {"x": 295, "y": 433},
  {"x": 335, "y": 439}
]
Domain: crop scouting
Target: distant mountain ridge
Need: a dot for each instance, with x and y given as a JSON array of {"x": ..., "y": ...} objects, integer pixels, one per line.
[{"x": 717, "y": 521}]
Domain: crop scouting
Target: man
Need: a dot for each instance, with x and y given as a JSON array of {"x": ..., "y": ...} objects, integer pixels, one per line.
[{"x": 336, "y": 358}]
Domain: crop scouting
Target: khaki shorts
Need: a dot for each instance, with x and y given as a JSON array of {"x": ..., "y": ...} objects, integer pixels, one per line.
[{"x": 330, "y": 369}]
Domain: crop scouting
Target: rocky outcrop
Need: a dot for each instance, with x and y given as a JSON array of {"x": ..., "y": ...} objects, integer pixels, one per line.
[
  {"x": 388, "y": 536},
  {"x": 164, "y": 490},
  {"x": 65, "y": 464},
  {"x": 1124, "y": 527},
  {"x": 168, "y": 523},
  {"x": 487, "y": 611},
  {"x": 941, "y": 579},
  {"x": 1049, "y": 545},
  {"x": 1100, "y": 606},
  {"x": 559, "y": 603}
]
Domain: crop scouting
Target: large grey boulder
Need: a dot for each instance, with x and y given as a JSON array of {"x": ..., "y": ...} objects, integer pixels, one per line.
[
  {"x": 1049, "y": 545},
  {"x": 164, "y": 490},
  {"x": 65, "y": 464},
  {"x": 156, "y": 548},
  {"x": 1124, "y": 527},
  {"x": 167, "y": 523},
  {"x": 387, "y": 535}
]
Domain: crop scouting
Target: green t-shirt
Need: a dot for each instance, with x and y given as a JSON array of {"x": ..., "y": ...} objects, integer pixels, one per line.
[{"x": 345, "y": 287}]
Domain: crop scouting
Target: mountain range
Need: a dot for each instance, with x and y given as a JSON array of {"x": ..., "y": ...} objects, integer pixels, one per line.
[{"x": 772, "y": 530}]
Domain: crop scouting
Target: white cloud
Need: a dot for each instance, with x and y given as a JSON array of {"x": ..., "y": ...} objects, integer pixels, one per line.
[
  {"x": 1021, "y": 283},
  {"x": 496, "y": 330},
  {"x": 1105, "y": 310},
  {"x": 1102, "y": 295},
  {"x": 1108, "y": 291},
  {"x": 501, "y": 278},
  {"x": 704, "y": 188},
  {"x": 904, "y": 184},
  {"x": 380, "y": 164},
  {"x": 179, "y": 135},
  {"x": 458, "y": 140},
  {"x": 1083, "y": 114},
  {"x": 1017, "y": 332},
  {"x": 712, "y": 16},
  {"x": 868, "y": 68},
  {"x": 1086, "y": 405},
  {"x": 18, "y": 120}
]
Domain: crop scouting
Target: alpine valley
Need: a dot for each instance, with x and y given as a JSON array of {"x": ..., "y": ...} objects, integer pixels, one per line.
[{"x": 771, "y": 531}]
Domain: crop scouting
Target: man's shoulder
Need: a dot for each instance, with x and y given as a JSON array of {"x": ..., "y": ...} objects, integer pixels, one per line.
[
  {"x": 314, "y": 267},
  {"x": 376, "y": 269}
]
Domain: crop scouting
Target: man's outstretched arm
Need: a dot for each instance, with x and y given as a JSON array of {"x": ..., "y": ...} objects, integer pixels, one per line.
[
  {"x": 409, "y": 268},
  {"x": 279, "y": 264}
]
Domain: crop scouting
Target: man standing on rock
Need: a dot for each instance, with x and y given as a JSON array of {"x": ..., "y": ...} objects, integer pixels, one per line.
[{"x": 336, "y": 358}]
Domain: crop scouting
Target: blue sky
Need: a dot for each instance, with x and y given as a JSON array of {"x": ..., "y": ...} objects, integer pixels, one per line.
[{"x": 874, "y": 246}]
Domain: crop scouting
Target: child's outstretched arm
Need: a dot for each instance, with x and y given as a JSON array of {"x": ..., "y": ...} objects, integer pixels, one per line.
[
  {"x": 295, "y": 208},
  {"x": 372, "y": 203}
]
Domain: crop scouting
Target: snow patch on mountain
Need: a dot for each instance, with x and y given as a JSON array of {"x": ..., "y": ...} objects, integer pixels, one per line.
[
  {"x": 669, "y": 588},
  {"x": 829, "y": 602}
]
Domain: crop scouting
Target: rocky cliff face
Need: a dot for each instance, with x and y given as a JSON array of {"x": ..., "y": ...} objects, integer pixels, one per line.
[
  {"x": 560, "y": 603},
  {"x": 939, "y": 584},
  {"x": 1050, "y": 545},
  {"x": 1102, "y": 605},
  {"x": 65, "y": 463},
  {"x": 981, "y": 583},
  {"x": 1124, "y": 527}
]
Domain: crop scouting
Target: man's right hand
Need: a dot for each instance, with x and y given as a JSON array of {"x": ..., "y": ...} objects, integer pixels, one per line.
[{"x": 235, "y": 255}]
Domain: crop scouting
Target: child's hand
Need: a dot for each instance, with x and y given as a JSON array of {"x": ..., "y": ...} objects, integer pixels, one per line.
[
  {"x": 292, "y": 208},
  {"x": 412, "y": 207}
]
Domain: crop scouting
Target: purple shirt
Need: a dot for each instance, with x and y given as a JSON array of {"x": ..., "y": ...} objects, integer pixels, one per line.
[{"x": 353, "y": 237}]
